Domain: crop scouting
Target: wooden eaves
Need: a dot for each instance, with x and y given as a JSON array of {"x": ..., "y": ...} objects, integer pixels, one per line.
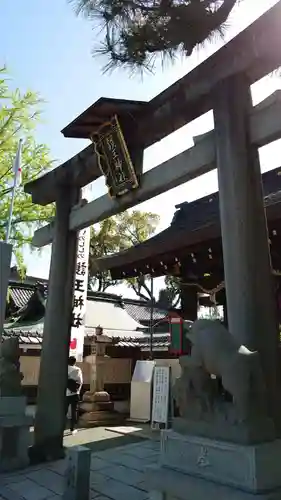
[{"x": 198, "y": 227}]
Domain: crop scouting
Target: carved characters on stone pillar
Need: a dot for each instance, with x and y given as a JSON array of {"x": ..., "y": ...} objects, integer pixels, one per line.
[
  {"x": 203, "y": 457},
  {"x": 70, "y": 474},
  {"x": 10, "y": 375}
]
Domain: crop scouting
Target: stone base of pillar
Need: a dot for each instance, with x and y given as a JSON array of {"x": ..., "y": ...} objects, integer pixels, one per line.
[
  {"x": 97, "y": 409},
  {"x": 196, "y": 468},
  {"x": 14, "y": 433},
  {"x": 168, "y": 484},
  {"x": 49, "y": 450}
]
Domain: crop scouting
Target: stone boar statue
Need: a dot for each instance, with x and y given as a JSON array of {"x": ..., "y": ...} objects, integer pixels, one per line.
[{"x": 216, "y": 352}]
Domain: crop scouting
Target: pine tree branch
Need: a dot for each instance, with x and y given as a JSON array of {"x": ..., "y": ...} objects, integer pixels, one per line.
[
  {"x": 148, "y": 291},
  {"x": 138, "y": 292}
]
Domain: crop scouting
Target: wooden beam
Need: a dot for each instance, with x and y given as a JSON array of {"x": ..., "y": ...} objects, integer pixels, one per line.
[
  {"x": 265, "y": 127},
  {"x": 79, "y": 170},
  {"x": 166, "y": 176}
]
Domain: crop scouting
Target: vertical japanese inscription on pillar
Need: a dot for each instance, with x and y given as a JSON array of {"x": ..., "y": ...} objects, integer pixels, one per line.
[
  {"x": 114, "y": 159},
  {"x": 80, "y": 295}
]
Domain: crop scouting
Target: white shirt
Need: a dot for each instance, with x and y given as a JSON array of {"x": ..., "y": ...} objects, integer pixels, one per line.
[{"x": 75, "y": 373}]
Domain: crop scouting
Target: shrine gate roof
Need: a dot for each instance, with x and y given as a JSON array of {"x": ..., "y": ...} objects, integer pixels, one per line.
[
  {"x": 88, "y": 123},
  {"x": 195, "y": 229}
]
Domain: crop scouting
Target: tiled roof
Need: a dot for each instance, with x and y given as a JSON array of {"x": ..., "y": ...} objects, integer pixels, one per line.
[
  {"x": 32, "y": 334},
  {"x": 141, "y": 310},
  {"x": 160, "y": 342},
  {"x": 110, "y": 315},
  {"x": 29, "y": 336},
  {"x": 21, "y": 295},
  {"x": 113, "y": 333},
  {"x": 29, "y": 332},
  {"x": 122, "y": 319}
]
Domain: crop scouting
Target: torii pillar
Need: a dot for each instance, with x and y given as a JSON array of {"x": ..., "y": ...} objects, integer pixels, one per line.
[
  {"x": 247, "y": 266},
  {"x": 50, "y": 415}
]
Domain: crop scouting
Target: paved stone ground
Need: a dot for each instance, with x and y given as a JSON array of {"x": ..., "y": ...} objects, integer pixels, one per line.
[{"x": 116, "y": 474}]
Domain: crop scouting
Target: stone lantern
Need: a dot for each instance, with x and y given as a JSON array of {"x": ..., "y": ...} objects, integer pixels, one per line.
[{"x": 97, "y": 407}]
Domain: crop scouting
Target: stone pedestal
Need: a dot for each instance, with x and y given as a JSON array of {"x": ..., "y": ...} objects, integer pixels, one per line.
[
  {"x": 97, "y": 409},
  {"x": 260, "y": 430},
  {"x": 195, "y": 468},
  {"x": 14, "y": 433}
]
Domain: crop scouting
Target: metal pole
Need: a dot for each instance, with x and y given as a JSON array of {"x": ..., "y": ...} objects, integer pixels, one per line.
[
  {"x": 5, "y": 248},
  {"x": 151, "y": 317},
  {"x": 9, "y": 223},
  {"x": 5, "y": 264},
  {"x": 17, "y": 166}
]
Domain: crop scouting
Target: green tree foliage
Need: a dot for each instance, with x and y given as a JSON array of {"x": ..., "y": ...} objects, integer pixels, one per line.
[
  {"x": 114, "y": 235},
  {"x": 170, "y": 295},
  {"x": 135, "y": 31},
  {"x": 19, "y": 114}
]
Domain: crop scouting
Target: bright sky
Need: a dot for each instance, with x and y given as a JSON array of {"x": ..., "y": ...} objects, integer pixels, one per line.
[{"x": 48, "y": 49}]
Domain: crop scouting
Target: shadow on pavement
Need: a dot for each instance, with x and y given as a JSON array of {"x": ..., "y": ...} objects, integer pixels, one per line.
[
  {"x": 113, "y": 442},
  {"x": 99, "y": 438}
]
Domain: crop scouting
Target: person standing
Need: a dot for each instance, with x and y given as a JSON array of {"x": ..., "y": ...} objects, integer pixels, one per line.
[{"x": 74, "y": 384}]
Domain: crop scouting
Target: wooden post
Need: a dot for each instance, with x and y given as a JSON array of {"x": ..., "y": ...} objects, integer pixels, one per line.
[
  {"x": 247, "y": 266},
  {"x": 189, "y": 302},
  {"x": 50, "y": 415}
]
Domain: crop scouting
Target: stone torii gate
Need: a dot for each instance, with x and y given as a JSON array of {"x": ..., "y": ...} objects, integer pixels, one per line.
[{"x": 221, "y": 83}]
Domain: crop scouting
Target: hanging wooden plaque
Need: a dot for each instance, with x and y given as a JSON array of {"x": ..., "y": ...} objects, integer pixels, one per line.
[{"x": 114, "y": 159}]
